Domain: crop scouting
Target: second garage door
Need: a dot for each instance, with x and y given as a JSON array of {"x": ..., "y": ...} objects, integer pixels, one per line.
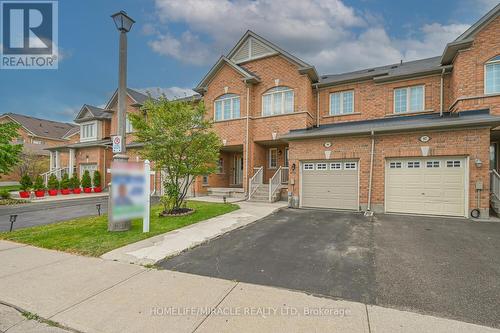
[
  {"x": 426, "y": 186},
  {"x": 330, "y": 184}
]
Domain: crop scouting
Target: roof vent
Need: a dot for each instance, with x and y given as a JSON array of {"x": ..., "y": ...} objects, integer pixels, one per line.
[
  {"x": 371, "y": 70},
  {"x": 395, "y": 66}
]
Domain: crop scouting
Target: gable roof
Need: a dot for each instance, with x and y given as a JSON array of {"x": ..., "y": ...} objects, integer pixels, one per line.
[
  {"x": 138, "y": 97},
  {"x": 43, "y": 128},
  {"x": 465, "y": 40},
  {"x": 95, "y": 113},
  {"x": 247, "y": 75}
]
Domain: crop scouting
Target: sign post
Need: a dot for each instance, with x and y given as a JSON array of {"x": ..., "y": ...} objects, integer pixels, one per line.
[{"x": 147, "y": 196}]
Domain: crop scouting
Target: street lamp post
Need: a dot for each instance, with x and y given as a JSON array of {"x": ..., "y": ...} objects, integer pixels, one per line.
[{"x": 123, "y": 23}]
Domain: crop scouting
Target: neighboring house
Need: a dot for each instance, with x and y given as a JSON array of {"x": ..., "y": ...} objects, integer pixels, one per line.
[
  {"x": 36, "y": 135},
  {"x": 413, "y": 137}
]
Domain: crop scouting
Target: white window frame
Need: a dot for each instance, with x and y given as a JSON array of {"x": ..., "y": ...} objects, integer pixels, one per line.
[
  {"x": 433, "y": 162},
  {"x": 341, "y": 94},
  {"x": 223, "y": 100},
  {"x": 395, "y": 165},
  {"x": 220, "y": 165},
  {"x": 355, "y": 164},
  {"x": 204, "y": 180},
  {"x": 84, "y": 138},
  {"x": 333, "y": 166},
  {"x": 408, "y": 99},
  {"x": 494, "y": 61},
  {"x": 453, "y": 163},
  {"x": 286, "y": 158},
  {"x": 308, "y": 167},
  {"x": 128, "y": 125},
  {"x": 91, "y": 167},
  {"x": 414, "y": 164},
  {"x": 270, "y": 159},
  {"x": 282, "y": 109},
  {"x": 321, "y": 166}
]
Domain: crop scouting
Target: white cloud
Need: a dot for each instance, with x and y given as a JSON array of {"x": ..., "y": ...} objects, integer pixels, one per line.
[
  {"x": 326, "y": 33},
  {"x": 170, "y": 93}
]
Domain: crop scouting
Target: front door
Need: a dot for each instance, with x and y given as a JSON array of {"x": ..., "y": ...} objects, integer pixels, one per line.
[{"x": 238, "y": 169}]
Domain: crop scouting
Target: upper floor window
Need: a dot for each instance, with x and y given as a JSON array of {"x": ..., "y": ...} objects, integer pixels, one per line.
[
  {"x": 409, "y": 99},
  {"x": 278, "y": 100},
  {"x": 492, "y": 76},
  {"x": 342, "y": 102},
  {"x": 128, "y": 126},
  {"x": 88, "y": 131},
  {"x": 227, "y": 107},
  {"x": 37, "y": 142}
]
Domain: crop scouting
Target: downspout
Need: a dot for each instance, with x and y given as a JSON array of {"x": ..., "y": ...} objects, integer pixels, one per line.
[
  {"x": 441, "y": 94},
  {"x": 317, "y": 106},
  {"x": 372, "y": 153},
  {"x": 246, "y": 141}
]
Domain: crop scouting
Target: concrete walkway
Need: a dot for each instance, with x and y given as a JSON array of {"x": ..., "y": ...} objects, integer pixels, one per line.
[
  {"x": 154, "y": 249},
  {"x": 95, "y": 295}
]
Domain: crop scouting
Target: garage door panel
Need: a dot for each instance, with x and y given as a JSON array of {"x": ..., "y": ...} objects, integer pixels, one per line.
[{"x": 426, "y": 190}]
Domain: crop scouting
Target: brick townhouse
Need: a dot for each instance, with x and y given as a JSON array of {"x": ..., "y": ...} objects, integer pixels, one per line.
[
  {"x": 36, "y": 135},
  {"x": 414, "y": 137}
]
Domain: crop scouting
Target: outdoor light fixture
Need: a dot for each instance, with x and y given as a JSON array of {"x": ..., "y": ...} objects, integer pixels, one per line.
[
  {"x": 478, "y": 162},
  {"x": 293, "y": 167},
  {"x": 122, "y": 21}
]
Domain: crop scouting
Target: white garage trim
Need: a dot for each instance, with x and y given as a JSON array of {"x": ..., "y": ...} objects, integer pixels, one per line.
[{"x": 427, "y": 163}]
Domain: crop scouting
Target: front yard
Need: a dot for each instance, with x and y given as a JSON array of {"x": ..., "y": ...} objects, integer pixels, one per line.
[{"x": 89, "y": 236}]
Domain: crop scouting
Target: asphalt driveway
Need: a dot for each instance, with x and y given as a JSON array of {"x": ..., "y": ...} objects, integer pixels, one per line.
[{"x": 440, "y": 266}]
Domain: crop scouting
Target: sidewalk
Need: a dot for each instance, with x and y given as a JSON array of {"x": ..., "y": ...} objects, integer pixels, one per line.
[
  {"x": 154, "y": 249},
  {"x": 95, "y": 295}
]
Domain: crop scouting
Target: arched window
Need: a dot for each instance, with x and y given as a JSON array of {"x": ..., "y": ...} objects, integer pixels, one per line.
[
  {"x": 278, "y": 100},
  {"x": 227, "y": 107},
  {"x": 492, "y": 76}
]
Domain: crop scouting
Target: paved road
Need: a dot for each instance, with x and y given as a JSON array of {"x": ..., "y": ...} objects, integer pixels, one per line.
[
  {"x": 49, "y": 212},
  {"x": 445, "y": 267}
]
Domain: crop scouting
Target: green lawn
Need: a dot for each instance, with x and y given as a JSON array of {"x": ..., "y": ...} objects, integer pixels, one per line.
[
  {"x": 10, "y": 188},
  {"x": 89, "y": 236}
]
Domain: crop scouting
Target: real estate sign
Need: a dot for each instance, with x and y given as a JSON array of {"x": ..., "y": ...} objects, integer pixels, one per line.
[{"x": 128, "y": 191}]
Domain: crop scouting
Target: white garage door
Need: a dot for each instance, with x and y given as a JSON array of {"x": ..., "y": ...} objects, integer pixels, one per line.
[
  {"x": 330, "y": 184},
  {"x": 426, "y": 186}
]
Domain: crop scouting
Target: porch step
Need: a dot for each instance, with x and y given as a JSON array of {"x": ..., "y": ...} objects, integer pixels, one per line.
[
  {"x": 228, "y": 192},
  {"x": 261, "y": 194}
]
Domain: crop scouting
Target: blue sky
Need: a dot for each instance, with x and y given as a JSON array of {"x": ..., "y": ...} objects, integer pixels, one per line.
[{"x": 175, "y": 42}]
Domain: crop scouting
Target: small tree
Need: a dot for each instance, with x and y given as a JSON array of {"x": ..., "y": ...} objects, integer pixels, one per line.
[
  {"x": 179, "y": 141},
  {"x": 75, "y": 181},
  {"x": 65, "y": 183},
  {"x": 86, "y": 181},
  {"x": 53, "y": 183},
  {"x": 25, "y": 183},
  {"x": 39, "y": 185},
  {"x": 96, "y": 179},
  {"x": 9, "y": 153}
]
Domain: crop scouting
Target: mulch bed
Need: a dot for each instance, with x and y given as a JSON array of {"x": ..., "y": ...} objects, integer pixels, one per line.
[{"x": 178, "y": 212}]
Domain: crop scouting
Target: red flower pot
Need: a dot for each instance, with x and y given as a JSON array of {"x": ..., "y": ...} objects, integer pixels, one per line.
[
  {"x": 98, "y": 189},
  {"x": 40, "y": 193},
  {"x": 65, "y": 191},
  {"x": 52, "y": 192},
  {"x": 24, "y": 194},
  {"x": 77, "y": 190},
  {"x": 87, "y": 189}
]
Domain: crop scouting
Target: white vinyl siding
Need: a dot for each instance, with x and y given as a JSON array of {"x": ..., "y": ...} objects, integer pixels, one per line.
[
  {"x": 492, "y": 76},
  {"x": 278, "y": 100},
  {"x": 409, "y": 99},
  {"x": 227, "y": 107},
  {"x": 342, "y": 102}
]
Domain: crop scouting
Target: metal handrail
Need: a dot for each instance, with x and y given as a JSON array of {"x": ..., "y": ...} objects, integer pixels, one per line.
[
  {"x": 255, "y": 181},
  {"x": 59, "y": 172},
  {"x": 274, "y": 183},
  {"x": 495, "y": 183}
]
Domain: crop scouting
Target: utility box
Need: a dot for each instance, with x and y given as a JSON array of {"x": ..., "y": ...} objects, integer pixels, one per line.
[{"x": 479, "y": 185}]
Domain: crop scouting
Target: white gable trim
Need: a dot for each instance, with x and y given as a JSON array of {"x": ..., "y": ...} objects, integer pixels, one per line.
[{"x": 252, "y": 49}]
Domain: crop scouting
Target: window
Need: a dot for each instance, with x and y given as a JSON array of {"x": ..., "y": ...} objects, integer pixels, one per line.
[
  {"x": 492, "y": 76},
  {"x": 413, "y": 165},
  {"x": 308, "y": 166},
  {"x": 220, "y": 165},
  {"x": 277, "y": 100},
  {"x": 273, "y": 158},
  {"x": 336, "y": 166},
  {"x": 89, "y": 131},
  {"x": 286, "y": 157},
  {"x": 395, "y": 165},
  {"x": 409, "y": 99},
  {"x": 342, "y": 102},
  {"x": 433, "y": 164},
  {"x": 350, "y": 166},
  {"x": 453, "y": 164},
  {"x": 205, "y": 180},
  {"x": 227, "y": 107},
  {"x": 20, "y": 140},
  {"x": 321, "y": 166},
  {"x": 36, "y": 142},
  {"x": 128, "y": 126}
]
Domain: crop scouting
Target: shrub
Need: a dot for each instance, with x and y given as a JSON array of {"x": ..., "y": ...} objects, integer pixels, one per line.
[
  {"x": 75, "y": 181},
  {"x": 26, "y": 183},
  {"x": 4, "y": 194},
  {"x": 96, "y": 181},
  {"x": 53, "y": 183},
  {"x": 65, "y": 183},
  {"x": 39, "y": 185},
  {"x": 86, "y": 182}
]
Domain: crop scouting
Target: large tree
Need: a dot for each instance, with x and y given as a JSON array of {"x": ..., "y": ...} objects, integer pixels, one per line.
[
  {"x": 9, "y": 152},
  {"x": 180, "y": 141}
]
